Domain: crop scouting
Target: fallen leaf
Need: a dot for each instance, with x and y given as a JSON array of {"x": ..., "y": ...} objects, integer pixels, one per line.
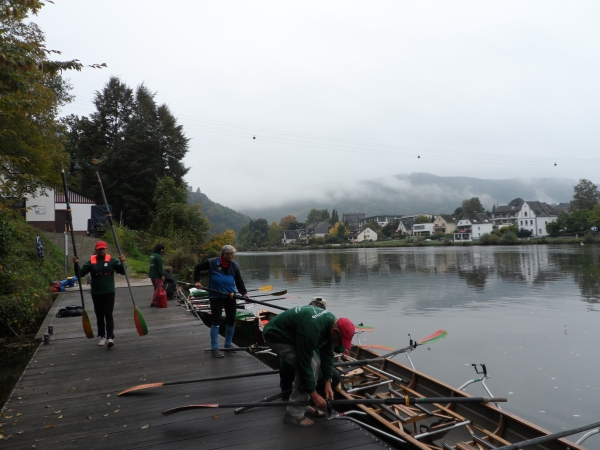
[
  {"x": 1, "y": 436},
  {"x": 145, "y": 426},
  {"x": 57, "y": 412},
  {"x": 215, "y": 416},
  {"x": 60, "y": 417},
  {"x": 117, "y": 410},
  {"x": 19, "y": 414},
  {"x": 108, "y": 403},
  {"x": 48, "y": 406},
  {"x": 89, "y": 417},
  {"x": 108, "y": 395},
  {"x": 20, "y": 432},
  {"x": 105, "y": 415},
  {"x": 49, "y": 426}
]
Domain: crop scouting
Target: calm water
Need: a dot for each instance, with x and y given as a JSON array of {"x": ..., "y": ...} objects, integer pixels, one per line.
[{"x": 528, "y": 313}]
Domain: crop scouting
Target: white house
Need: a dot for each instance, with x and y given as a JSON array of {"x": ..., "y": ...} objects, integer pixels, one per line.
[
  {"x": 49, "y": 211},
  {"x": 317, "y": 229},
  {"x": 290, "y": 236},
  {"x": 405, "y": 226},
  {"x": 471, "y": 226},
  {"x": 364, "y": 234},
  {"x": 534, "y": 216},
  {"x": 423, "y": 229}
]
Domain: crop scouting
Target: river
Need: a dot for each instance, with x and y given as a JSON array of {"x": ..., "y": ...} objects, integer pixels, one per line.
[{"x": 527, "y": 312}]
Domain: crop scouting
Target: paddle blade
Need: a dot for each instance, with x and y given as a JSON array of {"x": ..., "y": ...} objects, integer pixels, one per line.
[
  {"x": 188, "y": 407},
  {"x": 268, "y": 287},
  {"x": 140, "y": 387},
  {"x": 437, "y": 336},
  {"x": 87, "y": 326},
  {"x": 363, "y": 328},
  {"x": 140, "y": 322},
  {"x": 378, "y": 347},
  {"x": 280, "y": 292}
]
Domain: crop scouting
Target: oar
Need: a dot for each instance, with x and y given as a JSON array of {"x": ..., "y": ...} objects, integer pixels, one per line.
[
  {"x": 274, "y": 293},
  {"x": 241, "y": 297},
  {"x": 140, "y": 323},
  {"x": 251, "y": 349},
  {"x": 438, "y": 335},
  {"x": 85, "y": 319},
  {"x": 548, "y": 438},
  {"x": 345, "y": 403},
  {"x": 268, "y": 287},
  {"x": 266, "y": 399},
  {"x": 201, "y": 380}
]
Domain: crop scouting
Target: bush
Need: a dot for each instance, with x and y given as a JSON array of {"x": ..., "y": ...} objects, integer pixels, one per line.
[
  {"x": 183, "y": 261},
  {"x": 589, "y": 238},
  {"x": 488, "y": 239},
  {"x": 447, "y": 241},
  {"x": 509, "y": 238},
  {"x": 523, "y": 234}
]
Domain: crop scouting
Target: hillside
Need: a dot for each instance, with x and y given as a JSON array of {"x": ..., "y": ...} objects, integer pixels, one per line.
[
  {"x": 422, "y": 192},
  {"x": 221, "y": 217}
]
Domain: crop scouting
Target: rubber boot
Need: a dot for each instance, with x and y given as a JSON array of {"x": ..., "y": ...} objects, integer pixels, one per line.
[
  {"x": 214, "y": 337},
  {"x": 229, "y": 335}
]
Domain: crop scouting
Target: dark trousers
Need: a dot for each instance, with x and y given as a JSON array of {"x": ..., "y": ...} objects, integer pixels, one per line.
[
  {"x": 216, "y": 310},
  {"x": 103, "y": 307}
]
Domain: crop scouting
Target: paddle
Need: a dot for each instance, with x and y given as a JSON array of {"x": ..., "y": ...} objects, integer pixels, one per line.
[
  {"x": 140, "y": 323},
  {"x": 268, "y": 287},
  {"x": 345, "y": 403},
  {"x": 201, "y": 380},
  {"x": 548, "y": 438},
  {"x": 241, "y": 297},
  {"x": 438, "y": 335},
  {"x": 274, "y": 293},
  {"x": 251, "y": 349},
  {"x": 377, "y": 347},
  {"x": 266, "y": 399},
  {"x": 85, "y": 319}
]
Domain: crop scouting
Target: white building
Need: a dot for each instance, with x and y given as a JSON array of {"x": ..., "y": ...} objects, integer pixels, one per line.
[
  {"x": 290, "y": 236},
  {"x": 48, "y": 211},
  {"x": 470, "y": 227},
  {"x": 423, "y": 229},
  {"x": 362, "y": 235},
  {"x": 534, "y": 216}
]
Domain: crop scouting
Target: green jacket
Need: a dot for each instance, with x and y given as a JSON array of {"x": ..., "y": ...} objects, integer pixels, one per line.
[
  {"x": 156, "y": 266},
  {"x": 308, "y": 329},
  {"x": 103, "y": 277}
]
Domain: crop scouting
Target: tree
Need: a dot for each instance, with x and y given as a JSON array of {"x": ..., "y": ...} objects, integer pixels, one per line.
[
  {"x": 472, "y": 205},
  {"x": 255, "y": 233},
  {"x": 335, "y": 218},
  {"x": 390, "y": 228},
  {"x": 286, "y": 221},
  {"x": 275, "y": 234},
  {"x": 553, "y": 229},
  {"x": 217, "y": 241},
  {"x": 317, "y": 215},
  {"x": 31, "y": 92},
  {"x": 174, "y": 218},
  {"x": 458, "y": 211},
  {"x": 422, "y": 219},
  {"x": 586, "y": 196},
  {"x": 373, "y": 226},
  {"x": 516, "y": 201}
]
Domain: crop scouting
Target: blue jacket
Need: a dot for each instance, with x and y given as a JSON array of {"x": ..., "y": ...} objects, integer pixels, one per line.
[{"x": 220, "y": 278}]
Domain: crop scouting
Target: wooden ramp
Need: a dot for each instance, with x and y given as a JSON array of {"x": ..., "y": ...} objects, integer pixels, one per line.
[{"x": 67, "y": 397}]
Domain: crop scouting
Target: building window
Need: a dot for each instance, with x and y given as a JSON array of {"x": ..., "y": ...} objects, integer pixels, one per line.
[
  {"x": 525, "y": 213},
  {"x": 521, "y": 222},
  {"x": 540, "y": 229},
  {"x": 531, "y": 222}
]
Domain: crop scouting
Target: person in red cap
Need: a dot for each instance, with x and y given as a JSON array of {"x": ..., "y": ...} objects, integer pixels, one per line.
[
  {"x": 102, "y": 267},
  {"x": 294, "y": 335}
]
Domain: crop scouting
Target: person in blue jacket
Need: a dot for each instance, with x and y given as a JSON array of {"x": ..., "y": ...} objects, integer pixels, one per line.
[{"x": 223, "y": 275}]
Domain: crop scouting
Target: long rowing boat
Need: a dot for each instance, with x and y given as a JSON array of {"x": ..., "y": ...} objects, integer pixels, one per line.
[{"x": 438, "y": 426}]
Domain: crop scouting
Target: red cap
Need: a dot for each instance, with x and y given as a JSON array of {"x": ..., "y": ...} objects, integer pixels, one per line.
[
  {"x": 347, "y": 329},
  {"x": 100, "y": 244}
]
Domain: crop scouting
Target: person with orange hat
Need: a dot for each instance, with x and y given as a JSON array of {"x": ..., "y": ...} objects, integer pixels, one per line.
[
  {"x": 102, "y": 267},
  {"x": 294, "y": 335}
]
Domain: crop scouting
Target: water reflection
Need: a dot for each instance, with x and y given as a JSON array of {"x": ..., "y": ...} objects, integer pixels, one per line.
[{"x": 392, "y": 270}]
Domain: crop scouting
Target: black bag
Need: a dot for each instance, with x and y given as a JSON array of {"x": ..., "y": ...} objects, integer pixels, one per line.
[{"x": 70, "y": 311}]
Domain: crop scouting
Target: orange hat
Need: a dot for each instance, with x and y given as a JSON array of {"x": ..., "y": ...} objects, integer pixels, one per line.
[
  {"x": 100, "y": 244},
  {"x": 347, "y": 330}
]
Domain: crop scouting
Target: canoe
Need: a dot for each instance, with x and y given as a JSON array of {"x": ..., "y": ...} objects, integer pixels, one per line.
[
  {"x": 248, "y": 326},
  {"x": 463, "y": 426}
]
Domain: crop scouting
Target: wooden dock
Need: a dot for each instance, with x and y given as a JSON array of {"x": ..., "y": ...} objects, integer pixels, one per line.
[{"x": 67, "y": 397}]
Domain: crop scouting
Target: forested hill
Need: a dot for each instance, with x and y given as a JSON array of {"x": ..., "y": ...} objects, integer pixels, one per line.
[
  {"x": 220, "y": 217},
  {"x": 421, "y": 192}
]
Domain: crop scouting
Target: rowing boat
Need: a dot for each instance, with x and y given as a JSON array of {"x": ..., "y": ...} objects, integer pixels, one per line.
[
  {"x": 248, "y": 326},
  {"x": 438, "y": 426}
]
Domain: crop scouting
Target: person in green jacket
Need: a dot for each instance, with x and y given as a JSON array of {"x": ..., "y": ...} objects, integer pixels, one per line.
[
  {"x": 295, "y": 335},
  {"x": 102, "y": 267},
  {"x": 157, "y": 271}
]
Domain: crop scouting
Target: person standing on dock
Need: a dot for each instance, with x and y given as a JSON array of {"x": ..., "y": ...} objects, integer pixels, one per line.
[
  {"x": 156, "y": 271},
  {"x": 102, "y": 267},
  {"x": 223, "y": 275},
  {"x": 295, "y": 335}
]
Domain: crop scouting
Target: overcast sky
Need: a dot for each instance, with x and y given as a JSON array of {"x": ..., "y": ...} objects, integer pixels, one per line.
[{"x": 342, "y": 91}]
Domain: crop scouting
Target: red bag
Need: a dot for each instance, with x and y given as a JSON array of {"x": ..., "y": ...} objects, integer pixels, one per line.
[{"x": 162, "y": 298}]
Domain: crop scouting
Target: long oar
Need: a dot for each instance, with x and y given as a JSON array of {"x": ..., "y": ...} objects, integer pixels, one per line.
[
  {"x": 345, "y": 403},
  {"x": 438, "y": 335},
  {"x": 241, "y": 297},
  {"x": 548, "y": 438},
  {"x": 138, "y": 318},
  {"x": 85, "y": 319},
  {"x": 268, "y": 287},
  {"x": 201, "y": 380},
  {"x": 251, "y": 349},
  {"x": 274, "y": 293},
  {"x": 266, "y": 399}
]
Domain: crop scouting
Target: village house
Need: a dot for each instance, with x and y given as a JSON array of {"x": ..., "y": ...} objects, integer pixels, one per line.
[
  {"x": 534, "y": 216},
  {"x": 290, "y": 236},
  {"x": 364, "y": 234},
  {"x": 506, "y": 214},
  {"x": 49, "y": 212},
  {"x": 382, "y": 219},
  {"x": 445, "y": 223},
  {"x": 352, "y": 220},
  {"x": 423, "y": 229},
  {"x": 317, "y": 229},
  {"x": 405, "y": 226},
  {"x": 470, "y": 227}
]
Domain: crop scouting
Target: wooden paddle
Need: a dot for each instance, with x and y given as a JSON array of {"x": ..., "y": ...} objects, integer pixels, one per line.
[
  {"x": 548, "y": 438},
  {"x": 201, "y": 380},
  {"x": 241, "y": 297},
  {"x": 268, "y": 287},
  {"x": 345, "y": 403},
  {"x": 274, "y": 293},
  {"x": 85, "y": 319},
  {"x": 138, "y": 318}
]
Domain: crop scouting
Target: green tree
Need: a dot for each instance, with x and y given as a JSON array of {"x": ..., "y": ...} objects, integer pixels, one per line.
[
  {"x": 286, "y": 221},
  {"x": 373, "y": 226},
  {"x": 422, "y": 219},
  {"x": 335, "y": 218},
  {"x": 586, "y": 196},
  {"x": 275, "y": 234},
  {"x": 175, "y": 218},
  {"x": 217, "y": 241},
  {"x": 553, "y": 229},
  {"x": 472, "y": 205},
  {"x": 317, "y": 215},
  {"x": 31, "y": 92},
  {"x": 255, "y": 233},
  {"x": 390, "y": 228}
]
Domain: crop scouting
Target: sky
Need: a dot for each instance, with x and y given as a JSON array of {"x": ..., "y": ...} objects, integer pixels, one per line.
[{"x": 285, "y": 100}]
